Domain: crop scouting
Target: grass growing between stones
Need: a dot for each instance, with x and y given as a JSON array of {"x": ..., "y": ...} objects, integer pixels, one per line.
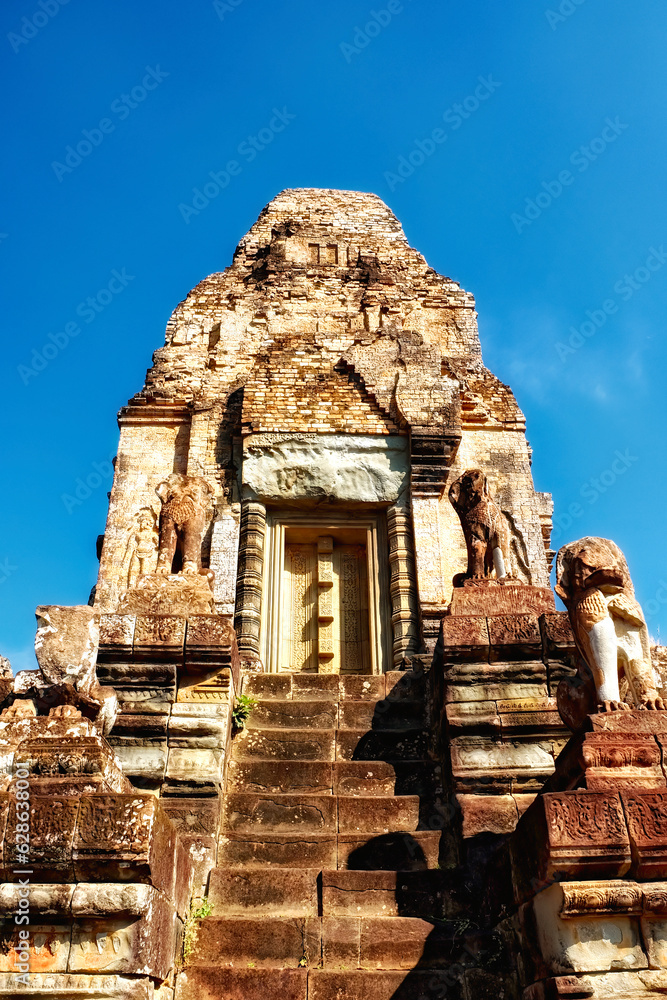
[{"x": 197, "y": 913}]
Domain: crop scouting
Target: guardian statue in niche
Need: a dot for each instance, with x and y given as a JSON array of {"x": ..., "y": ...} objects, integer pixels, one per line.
[
  {"x": 484, "y": 526},
  {"x": 593, "y": 581},
  {"x": 185, "y": 505}
]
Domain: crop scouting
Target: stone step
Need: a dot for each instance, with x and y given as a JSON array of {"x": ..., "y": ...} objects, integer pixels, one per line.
[
  {"x": 342, "y": 777},
  {"x": 401, "y": 744},
  {"x": 377, "y": 814},
  {"x": 285, "y": 892},
  {"x": 387, "y": 894},
  {"x": 330, "y": 744},
  {"x": 279, "y": 713},
  {"x": 285, "y": 744},
  {"x": 288, "y": 776},
  {"x": 418, "y": 984},
  {"x": 280, "y": 813},
  {"x": 360, "y": 777},
  {"x": 264, "y": 942},
  {"x": 318, "y": 687},
  {"x": 384, "y": 714},
  {"x": 282, "y": 714},
  {"x": 377, "y": 942},
  {"x": 278, "y": 850},
  {"x": 212, "y": 983},
  {"x": 371, "y": 942},
  {"x": 395, "y": 685},
  {"x": 397, "y": 851},
  {"x": 255, "y": 814}
]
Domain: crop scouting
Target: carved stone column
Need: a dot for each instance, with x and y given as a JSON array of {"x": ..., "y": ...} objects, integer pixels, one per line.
[
  {"x": 251, "y": 567},
  {"x": 402, "y": 586}
]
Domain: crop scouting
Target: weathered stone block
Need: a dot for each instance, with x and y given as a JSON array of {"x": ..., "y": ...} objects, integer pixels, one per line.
[
  {"x": 487, "y": 814},
  {"x": 53, "y": 822},
  {"x": 570, "y": 834},
  {"x": 290, "y": 777},
  {"x": 311, "y": 850},
  {"x": 374, "y": 814},
  {"x": 116, "y": 630},
  {"x": 64, "y": 986},
  {"x": 236, "y": 940},
  {"x": 195, "y": 767},
  {"x": 646, "y": 817},
  {"x": 48, "y": 948},
  {"x": 193, "y": 815},
  {"x": 276, "y": 744},
  {"x": 123, "y": 837},
  {"x": 244, "y": 891},
  {"x": 125, "y": 929},
  {"x": 402, "y": 851},
  {"x": 273, "y": 714},
  {"x": 207, "y": 983},
  {"x": 340, "y": 942},
  {"x": 394, "y": 942},
  {"x": 280, "y": 813},
  {"x": 163, "y": 632},
  {"x": 582, "y": 943},
  {"x": 410, "y": 744},
  {"x": 513, "y": 637},
  {"x": 358, "y": 777},
  {"x": 464, "y": 638}
]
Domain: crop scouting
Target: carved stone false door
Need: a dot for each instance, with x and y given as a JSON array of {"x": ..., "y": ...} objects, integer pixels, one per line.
[{"x": 325, "y": 625}]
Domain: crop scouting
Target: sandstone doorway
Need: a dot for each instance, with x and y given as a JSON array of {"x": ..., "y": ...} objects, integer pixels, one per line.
[
  {"x": 325, "y": 625},
  {"x": 326, "y": 588}
]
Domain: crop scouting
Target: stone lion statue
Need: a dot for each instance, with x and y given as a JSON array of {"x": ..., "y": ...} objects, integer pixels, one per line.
[
  {"x": 593, "y": 581},
  {"x": 185, "y": 504},
  {"x": 484, "y": 526}
]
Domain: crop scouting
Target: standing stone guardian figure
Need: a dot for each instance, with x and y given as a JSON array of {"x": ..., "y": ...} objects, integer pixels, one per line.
[
  {"x": 141, "y": 545},
  {"x": 484, "y": 526},
  {"x": 185, "y": 503},
  {"x": 593, "y": 581}
]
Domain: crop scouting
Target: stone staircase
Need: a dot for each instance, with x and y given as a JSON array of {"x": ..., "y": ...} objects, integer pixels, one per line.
[{"x": 328, "y": 884}]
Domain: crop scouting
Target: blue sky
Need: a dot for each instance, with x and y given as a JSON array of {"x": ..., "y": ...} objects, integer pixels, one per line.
[{"x": 545, "y": 199}]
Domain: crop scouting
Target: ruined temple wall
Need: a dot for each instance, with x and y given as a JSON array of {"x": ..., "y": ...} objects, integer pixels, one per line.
[{"x": 146, "y": 454}]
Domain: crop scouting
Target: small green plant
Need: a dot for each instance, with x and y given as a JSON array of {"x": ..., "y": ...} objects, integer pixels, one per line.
[
  {"x": 251, "y": 965},
  {"x": 303, "y": 962},
  {"x": 197, "y": 913},
  {"x": 242, "y": 708}
]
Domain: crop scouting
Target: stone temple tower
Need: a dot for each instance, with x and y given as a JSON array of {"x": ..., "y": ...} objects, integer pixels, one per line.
[
  {"x": 309, "y": 741},
  {"x": 329, "y": 383}
]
